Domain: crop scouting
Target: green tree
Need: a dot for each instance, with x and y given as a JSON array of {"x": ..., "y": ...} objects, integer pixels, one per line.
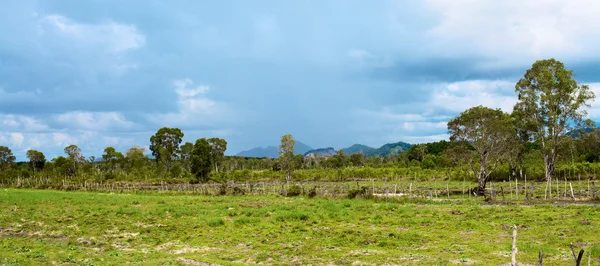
[
  {"x": 7, "y": 159},
  {"x": 357, "y": 159},
  {"x": 218, "y": 147},
  {"x": 201, "y": 159},
  {"x": 135, "y": 157},
  {"x": 37, "y": 160},
  {"x": 111, "y": 157},
  {"x": 165, "y": 145},
  {"x": 186, "y": 155},
  {"x": 488, "y": 131},
  {"x": 340, "y": 159},
  {"x": 286, "y": 155},
  {"x": 75, "y": 157},
  {"x": 552, "y": 103}
]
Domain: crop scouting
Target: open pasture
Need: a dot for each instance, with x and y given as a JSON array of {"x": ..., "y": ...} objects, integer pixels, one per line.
[{"x": 91, "y": 228}]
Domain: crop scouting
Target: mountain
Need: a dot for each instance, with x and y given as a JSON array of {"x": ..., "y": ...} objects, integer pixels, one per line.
[
  {"x": 324, "y": 152},
  {"x": 387, "y": 149},
  {"x": 358, "y": 148},
  {"x": 391, "y": 149},
  {"x": 271, "y": 151}
]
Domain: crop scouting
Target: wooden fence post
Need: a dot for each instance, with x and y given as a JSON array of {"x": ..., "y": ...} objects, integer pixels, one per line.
[{"x": 514, "y": 247}]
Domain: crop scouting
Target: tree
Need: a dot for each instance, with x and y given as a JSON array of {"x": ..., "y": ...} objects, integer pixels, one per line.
[
  {"x": 75, "y": 157},
  {"x": 218, "y": 147},
  {"x": 201, "y": 159},
  {"x": 165, "y": 145},
  {"x": 135, "y": 157},
  {"x": 186, "y": 155},
  {"x": 357, "y": 159},
  {"x": 340, "y": 159},
  {"x": 552, "y": 103},
  {"x": 286, "y": 155},
  {"x": 37, "y": 160},
  {"x": 488, "y": 131},
  {"x": 112, "y": 157},
  {"x": 7, "y": 159}
]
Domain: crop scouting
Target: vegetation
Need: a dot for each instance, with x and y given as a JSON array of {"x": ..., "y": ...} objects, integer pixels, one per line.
[{"x": 162, "y": 229}]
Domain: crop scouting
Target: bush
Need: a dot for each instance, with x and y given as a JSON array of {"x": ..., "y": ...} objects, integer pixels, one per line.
[
  {"x": 222, "y": 189},
  {"x": 312, "y": 192},
  {"x": 293, "y": 190},
  {"x": 362, "y": 192},
  {"x": 238, "y": 191}
]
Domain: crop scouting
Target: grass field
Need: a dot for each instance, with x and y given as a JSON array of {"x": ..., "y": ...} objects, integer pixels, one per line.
[{"x": 87, "y": 228}]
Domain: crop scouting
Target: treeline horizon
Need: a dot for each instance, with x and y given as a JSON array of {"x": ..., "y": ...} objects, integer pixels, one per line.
[{"x": 547, "y": 135}]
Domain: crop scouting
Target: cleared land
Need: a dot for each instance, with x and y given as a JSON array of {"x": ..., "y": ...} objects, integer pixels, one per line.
[{"x": 89, "y": 228}]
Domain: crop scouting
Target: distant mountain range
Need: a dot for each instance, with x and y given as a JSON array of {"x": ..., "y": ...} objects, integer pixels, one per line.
[
  {"x": 271, "y": 151},
  {"x": 325, "y": 152},
  {"x": 301, "y": 148}
]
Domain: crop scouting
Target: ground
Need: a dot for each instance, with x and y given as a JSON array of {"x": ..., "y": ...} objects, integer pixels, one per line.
[{"x": 88, "y": 228}]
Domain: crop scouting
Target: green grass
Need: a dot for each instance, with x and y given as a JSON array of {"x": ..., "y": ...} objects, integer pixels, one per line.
[{"x": 84, "y": 228}]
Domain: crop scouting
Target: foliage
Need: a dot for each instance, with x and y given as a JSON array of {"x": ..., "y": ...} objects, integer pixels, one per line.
[
  {"x": 552, "y": 104},
  {"x": 6, "y": 158},
  {"x": 165, "y": 145},
  {"x": 286, "y": 154},
  {"x": 488, "y": 131},
  {"x": 201, "y": 159}
]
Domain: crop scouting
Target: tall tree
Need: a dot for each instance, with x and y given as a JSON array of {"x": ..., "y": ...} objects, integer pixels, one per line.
[
  {"x": 112, "y": 157},
  {"x": 201, "y": 159},
  {"x": 75, "y": 157},
  {"x": 37, "y": 160},
  {"x": 357, "y": 159},
  {"x": 488, "y": 131},
  {"x": 218, "y": 147},
  {"x": 135, "y": 157},
  {"x": 7, "y": 158},
  {"x": 286, "y": 154},
  {"x": 165, "y": 145},
  {"x": 553, "y": 105},
  {"x": 186, "y": 155}
]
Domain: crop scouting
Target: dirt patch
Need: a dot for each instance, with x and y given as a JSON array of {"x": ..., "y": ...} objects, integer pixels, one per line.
[
  {"x": 195, "y": 262},
  {"x": 463, "y": 261},
  {"x": 188, "y": 249},
  {"x": 365, "y": 252}
]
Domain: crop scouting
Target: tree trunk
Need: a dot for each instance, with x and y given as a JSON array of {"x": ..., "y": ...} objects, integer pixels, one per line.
[
  {"x": 482, "y": 178},
  {"x": 549, "y": 167}
]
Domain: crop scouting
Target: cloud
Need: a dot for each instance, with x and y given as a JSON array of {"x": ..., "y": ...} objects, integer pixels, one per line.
[
  {"x": 16, "y": 139},
  {"x": 10, "y": 122},
  {"x": 459, "y": 96},
  {"x": 194, "y": 108},
  {"x": 109, "y": 37},
  {"x": 97, "y": 121},
  {"x": 517, "y": 31},
  {"x": 182, "y": 88}
]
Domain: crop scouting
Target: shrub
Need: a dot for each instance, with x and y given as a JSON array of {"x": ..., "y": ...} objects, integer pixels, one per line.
[
  {"x": 312, "y": 192},
  {"x": 294, "y": 190},
  {"x": 362, "y": 192}
]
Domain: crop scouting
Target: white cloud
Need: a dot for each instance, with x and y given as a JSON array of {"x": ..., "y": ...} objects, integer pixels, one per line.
[
  {"x": 10, "y": 122},
  {"x": 517, "y": 30},
  {"x": 110, "y": 36},
  {"x": 182, "y": 88},
  {"x": 459, "y": 96},
  {"x": 194, "y": 107},
  {"x": 359, "y": 53},
  {"x": 99, "y": 121},
  {"x": 16, "y": 139}
]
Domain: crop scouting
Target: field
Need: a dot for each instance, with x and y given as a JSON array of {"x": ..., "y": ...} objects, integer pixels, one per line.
[{"x": 151, "y": 228}]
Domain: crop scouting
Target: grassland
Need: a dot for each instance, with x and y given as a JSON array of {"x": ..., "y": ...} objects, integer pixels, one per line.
[{"x": 90, "y": 228}]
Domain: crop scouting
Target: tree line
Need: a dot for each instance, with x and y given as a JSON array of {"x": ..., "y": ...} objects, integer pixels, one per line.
[{"x": 547, "y": 129}]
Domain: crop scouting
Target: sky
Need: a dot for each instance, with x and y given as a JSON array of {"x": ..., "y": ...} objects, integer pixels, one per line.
[{"x": 332, "y": 73}]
